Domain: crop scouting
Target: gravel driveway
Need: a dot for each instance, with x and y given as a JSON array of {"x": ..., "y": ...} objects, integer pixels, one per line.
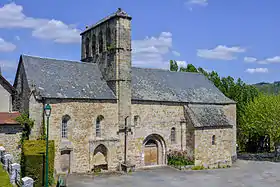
[{"x": 243, "y": 173}]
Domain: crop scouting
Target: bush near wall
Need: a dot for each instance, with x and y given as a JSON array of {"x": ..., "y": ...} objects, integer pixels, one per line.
[
  {"x": 179, "y": 158},
  {"x": 33, "y": 161}
]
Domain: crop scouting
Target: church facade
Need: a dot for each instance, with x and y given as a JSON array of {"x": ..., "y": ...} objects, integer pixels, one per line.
[{"x": 105, "y": 112}]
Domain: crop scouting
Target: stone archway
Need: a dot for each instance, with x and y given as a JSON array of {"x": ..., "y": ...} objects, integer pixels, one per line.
[
  {"x": 100, "y": 157},
  {"x": 154, "y": 150}
]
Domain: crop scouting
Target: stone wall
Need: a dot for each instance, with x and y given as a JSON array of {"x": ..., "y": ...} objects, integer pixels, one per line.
[
  {"x": 156, "y": 118},
  {"x": 36, "y": 111},
  {"x": 230, "y": 112},
  {"x": 14, "y": 169},
  {"x": 210, "y": 155},
  {"x": 21, "y": 100},
  {"x": 10, "y": 136},
  {"x": 224, "y": 150},
  {"x": 81, "y": 140}
]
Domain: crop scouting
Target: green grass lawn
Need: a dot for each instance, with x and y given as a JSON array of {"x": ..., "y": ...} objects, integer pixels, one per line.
[{"x": 4, "y": 178}]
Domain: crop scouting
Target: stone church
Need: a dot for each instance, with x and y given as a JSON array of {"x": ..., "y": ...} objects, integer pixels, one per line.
[{"x": 105, "y": 112}]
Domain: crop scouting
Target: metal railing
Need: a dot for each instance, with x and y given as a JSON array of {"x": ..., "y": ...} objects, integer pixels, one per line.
[{"x": 18, "y": 180}]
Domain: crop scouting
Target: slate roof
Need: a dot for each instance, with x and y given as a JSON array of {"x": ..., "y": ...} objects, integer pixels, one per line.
[
  {"x": 65, "y": 79},
  {"x": 6, "y": 84},
  {"x": 70, "y": 79},
  {"x": 208, "y": 116},
  {"x": 164, "y": 85}
]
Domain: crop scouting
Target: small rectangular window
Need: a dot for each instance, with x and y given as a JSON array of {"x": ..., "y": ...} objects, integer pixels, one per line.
[{"x": 213, "y": 140}]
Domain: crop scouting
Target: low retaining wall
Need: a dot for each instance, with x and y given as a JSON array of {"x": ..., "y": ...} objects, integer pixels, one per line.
[
  {"x": 13, "y": 170},
  {"x": 259, "y": 157}
]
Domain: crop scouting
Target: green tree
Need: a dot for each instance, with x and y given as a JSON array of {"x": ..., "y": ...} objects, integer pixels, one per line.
[
  {"x": 261, "y": 117},
  {"x": 189, "y": 68},
  {"x": 238, "y": 91},
  {"x": 173, "y": 65},
  {"x": 26, "y": 124}
]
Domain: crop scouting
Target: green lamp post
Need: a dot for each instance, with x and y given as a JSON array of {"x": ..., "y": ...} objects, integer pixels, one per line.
[{"x": 47, "y": 110}]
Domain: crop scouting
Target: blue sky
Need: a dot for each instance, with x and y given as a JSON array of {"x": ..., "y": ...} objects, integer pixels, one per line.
[{"x": 237, "y": 38}]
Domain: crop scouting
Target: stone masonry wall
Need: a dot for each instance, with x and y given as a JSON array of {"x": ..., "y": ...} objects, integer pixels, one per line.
[
  {"x": 230, "y": 112},
  {"x": 21, "y": 101},
  {"x": 81, "y": 131},
  {"x": 155, "y": 118},
  {"x": 224, "y": 151},
  {"x": 10, "y": 136},
  {"x": 36, "y": 110},
  {"x": 210, "y": 155}
]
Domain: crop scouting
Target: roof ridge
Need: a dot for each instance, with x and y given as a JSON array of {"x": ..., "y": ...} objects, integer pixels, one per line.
[
  {"x": 167, "y": 70},
  {"x": 54, "y": 59}
]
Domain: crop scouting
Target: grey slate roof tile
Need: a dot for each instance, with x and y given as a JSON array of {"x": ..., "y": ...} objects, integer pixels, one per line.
[
  {"x": 66, "y": 79},
  {"x": 208, "y": 115},
  {"x": 71, "y": 79},
  {"x": 164, "y": 85}
]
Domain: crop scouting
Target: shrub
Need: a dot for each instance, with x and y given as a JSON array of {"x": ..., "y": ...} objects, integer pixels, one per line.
[
  {"x": 198, "y": 167},
  {"x": 179, "y": 158},
  {"x": 33, "y": 161}
]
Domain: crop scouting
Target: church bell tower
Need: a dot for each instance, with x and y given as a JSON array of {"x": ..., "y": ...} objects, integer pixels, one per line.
[{"x": 108, "y": 43}]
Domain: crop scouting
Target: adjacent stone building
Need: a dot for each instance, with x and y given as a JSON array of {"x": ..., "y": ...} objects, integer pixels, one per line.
[
  {"x": 10, "y": 130},
  {"x": 97, "y": 101},
  {"x": 6, "y": 94}
]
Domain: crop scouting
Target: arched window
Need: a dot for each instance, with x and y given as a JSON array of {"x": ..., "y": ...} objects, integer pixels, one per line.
[
  {"x": 108, "y": 38},
  {"x": 87, "y": 47},
  {"x": 136, "y": 120},
  {"x": 64, "y": 126},
  {"x": 173, "y": 135},
  {"x": 213, "y": 140},
  {"x": 100, "y": 42},
  {"x": 98, "y": 126},
  {"x": 93, "y": 44}
]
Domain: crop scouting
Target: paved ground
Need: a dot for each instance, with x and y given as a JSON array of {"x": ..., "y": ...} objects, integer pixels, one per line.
[{"x": 243, "y": 173}]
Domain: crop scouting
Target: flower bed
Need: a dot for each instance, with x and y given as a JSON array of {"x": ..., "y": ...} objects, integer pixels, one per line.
[{"x": 180, "y": 160}]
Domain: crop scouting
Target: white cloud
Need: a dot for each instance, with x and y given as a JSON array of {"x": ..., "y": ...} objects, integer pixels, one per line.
[
  {"x": 198, "y": 2},
  {"x": 176, "y": 53},
  {"x": 256, "y": 70},
  {"x": 220, "y": 52},
  {"x": 250, "y": 59},
  {"x": 6, "y": 46},
  {"x": 275, "y": 59},
  {"x": 12, "y": 16},
  {"x": 150, "y": 51}
]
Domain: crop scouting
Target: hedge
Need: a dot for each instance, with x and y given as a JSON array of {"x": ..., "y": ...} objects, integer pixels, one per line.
[{"x": 33, "y": 161}]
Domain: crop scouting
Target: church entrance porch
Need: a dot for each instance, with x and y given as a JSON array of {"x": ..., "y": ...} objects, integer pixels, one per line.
[
  {"x": 154, "y": 150},
  {"x": 100, "y": 159}
]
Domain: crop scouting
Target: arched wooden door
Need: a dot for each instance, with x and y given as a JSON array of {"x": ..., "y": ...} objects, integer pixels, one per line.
[{"x": 151, "y": 153}]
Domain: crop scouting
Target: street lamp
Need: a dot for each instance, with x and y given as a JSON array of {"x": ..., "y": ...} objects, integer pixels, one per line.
[{"x": 47, "y": 111}]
